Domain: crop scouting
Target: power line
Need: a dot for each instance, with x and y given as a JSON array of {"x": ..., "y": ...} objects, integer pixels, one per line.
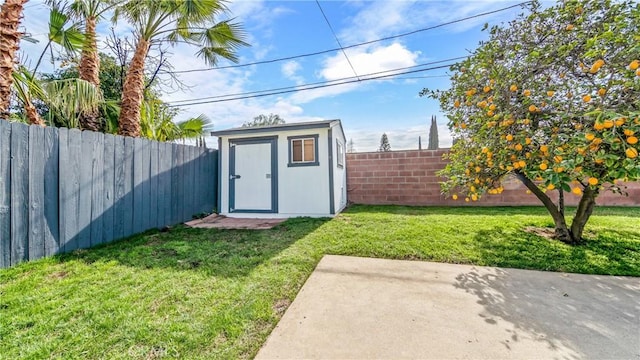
[
  {"x": 337, "y": 40},
  {"x": 358, "y": 44},
  {"x": 315, "y": 83},
  {"x": 309, "y": 88}
]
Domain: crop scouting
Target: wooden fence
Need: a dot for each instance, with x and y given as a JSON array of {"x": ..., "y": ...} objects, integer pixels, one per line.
[{"x": 62, "y": 190}]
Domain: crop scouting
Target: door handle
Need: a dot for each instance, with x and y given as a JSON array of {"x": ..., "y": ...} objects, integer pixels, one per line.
[{"x": 233, "y": 177}]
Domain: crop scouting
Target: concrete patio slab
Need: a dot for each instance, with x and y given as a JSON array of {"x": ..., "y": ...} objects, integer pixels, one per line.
[
  {"x": 360, "y": 308},
  {"x": 223, "y": 222}
]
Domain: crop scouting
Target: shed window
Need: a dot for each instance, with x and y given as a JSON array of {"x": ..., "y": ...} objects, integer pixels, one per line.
[
  {"x": 303, "y": 150},
  {"x": 340, "y": 153}
]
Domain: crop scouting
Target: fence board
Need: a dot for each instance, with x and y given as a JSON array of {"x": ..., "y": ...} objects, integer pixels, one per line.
[
  {"x": 36, "y": 192},
  {"x": 19, "y": 193},
  {"x": 51, "y": 195},
  {"x": 164, "y": 181},
  {"x": 176, "y": 162},
  {"x": 72, "y": 190},
  {"x": 138, "y": 178},
  {"x": 86, "y": 179},
  {"x": 119, "y": 161},
  {"x": 109, "y": 189},
  {"x": 128, "y": 206},
  {"x": 181, "y": 184},
  {"x": 146, "y": 188},
  {"x": 97, "y": 189},
  {"x": 5, "y": 193},
  {"x": 187, "y": 185},
  {"x": 153, "y": 185}
]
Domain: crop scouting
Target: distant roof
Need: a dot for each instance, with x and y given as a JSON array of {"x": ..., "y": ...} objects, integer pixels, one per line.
[{"x": 271, "y": 128}]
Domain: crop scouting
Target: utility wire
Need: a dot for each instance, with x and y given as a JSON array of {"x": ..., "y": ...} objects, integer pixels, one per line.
[
  {"x": 355, "y": 45},
  {"x": 310, "y": 88},
  {"x": 315, "y": 83},
  {"x": 337, "y": 40}
]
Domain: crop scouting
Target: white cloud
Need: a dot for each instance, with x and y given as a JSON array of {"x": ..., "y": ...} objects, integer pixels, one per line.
[
  {"x": 379, "y": 19},
  {"x": 290, "y": 70},
  {"x": 365, "y": 61}
]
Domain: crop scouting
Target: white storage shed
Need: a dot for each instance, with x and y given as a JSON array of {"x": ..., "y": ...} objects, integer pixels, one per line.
[{"x": 287, "y": 170}]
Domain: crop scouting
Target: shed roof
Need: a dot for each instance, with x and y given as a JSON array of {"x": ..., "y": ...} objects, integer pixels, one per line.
[{"x": 282, "y": 127}]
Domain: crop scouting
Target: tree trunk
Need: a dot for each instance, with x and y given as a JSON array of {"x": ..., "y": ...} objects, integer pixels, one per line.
[
  {"x": 10, "y": 16},
  {"x": 584, "y": 211},
  {"x": 32, "y": 114},
  {"x": 89, "y": 70},
  {"x": 133, "y": 92},
  {"x": 562, "y": 232}
]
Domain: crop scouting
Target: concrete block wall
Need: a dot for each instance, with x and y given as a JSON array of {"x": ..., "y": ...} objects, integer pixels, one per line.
[{"x": 409, "y": 178}]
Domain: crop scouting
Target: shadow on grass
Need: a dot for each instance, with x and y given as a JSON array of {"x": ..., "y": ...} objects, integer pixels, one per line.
[
  {"x": 482, "y": 210},
  {"x": 219, "y": 252},
  {"x": 610, "y": 252},
  {"x": 575, "y": 316}
]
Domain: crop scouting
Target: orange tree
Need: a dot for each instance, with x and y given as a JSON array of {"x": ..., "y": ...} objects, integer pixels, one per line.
[{"x": 553, "y": 98}]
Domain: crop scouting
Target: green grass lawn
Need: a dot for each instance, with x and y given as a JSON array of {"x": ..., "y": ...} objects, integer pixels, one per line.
[{"x": 195, "y": 293}]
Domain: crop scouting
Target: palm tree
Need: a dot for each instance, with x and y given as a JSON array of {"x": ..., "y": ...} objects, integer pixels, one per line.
[
  {"x": 190, "y": 21},
  {"x": 156, "y": 122},
  {"x": 90, "y": 11},
  {"x": 63, "y": 98},
  {"x": 61, "y": 32},
  {"x": 10, "y": 16}
]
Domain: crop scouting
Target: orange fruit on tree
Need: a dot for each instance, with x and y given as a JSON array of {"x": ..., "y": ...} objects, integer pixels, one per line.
[
  {"x": 634, "y": 65},
  {"x": 544, "y": 148},
  {"x": 596, "y": 66},
  {"x": 466, "y": 199},
  {"x": 551, "y": 187},
  {"x": 522, "y": 164},
  {"x": 586, "y": 98},
  {"x": 509, "y": 137},
  {"x": 589, "y": 136},
  {"x": 608, "y": 123},
  {"x": 492, "y": 107},
  {"x": 544, "y": 166},
  {"x": 533, "y": 108},
  {"x": 456, "y": 104},
  {"x": 598, "y": 126},
  {"x": 490, "y": 113},
  {"x": 632, "y": 140},
  {"x": 518, "y": 147},
  {"x": 474, "y": 197},
  {"x": 557, "y": 158},
  {"x": 638, "y": 72},
  {"x": 526, "y": 93},
  {"x": 576, "y": 191},
  {"x": 631, "y": 153},
  {"x": 628, "y": 132},
  {"x": 602, "y": 91},
  {"x": 593, "y": 181},
  {"x": 550, "y": 93},
  {"x": 620, "y": 121},
  {"x": 513, "y": 88},
  {"x": 569, "y": 27},
  {"x": 454, "y": 197},
  {"x": 527, "y": 141},
  {"x": 486, "y": 89}
]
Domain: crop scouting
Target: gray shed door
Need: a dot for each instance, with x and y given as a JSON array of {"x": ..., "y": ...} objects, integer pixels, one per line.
[{"x": 251, "y": 180}]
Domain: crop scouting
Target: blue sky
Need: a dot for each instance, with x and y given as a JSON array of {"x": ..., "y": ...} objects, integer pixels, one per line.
[{"x": 277, "y": 29}]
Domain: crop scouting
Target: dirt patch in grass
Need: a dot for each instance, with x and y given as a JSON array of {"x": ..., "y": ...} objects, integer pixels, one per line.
[
  {"x": 547, "y": 233},
  {"x": 281, "y": 305},
  {"x": 58, "y": 275}
]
